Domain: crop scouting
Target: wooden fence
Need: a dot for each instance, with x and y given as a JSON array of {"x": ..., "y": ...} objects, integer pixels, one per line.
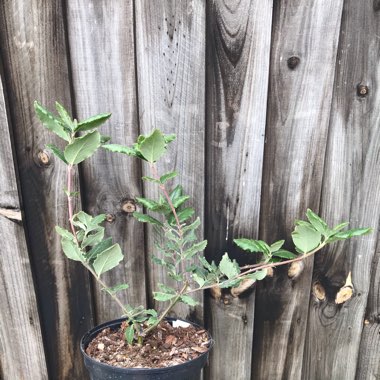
[{"x": 276, "y": 107}]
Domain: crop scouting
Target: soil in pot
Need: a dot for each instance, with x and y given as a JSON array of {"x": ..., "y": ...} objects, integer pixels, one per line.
[{"x": 164, "y": 347}]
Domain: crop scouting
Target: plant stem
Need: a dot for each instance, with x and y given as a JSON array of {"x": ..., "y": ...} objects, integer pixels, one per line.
[
  {"x": 255, "y": 268},
  {"x": 167, "y": 310}
]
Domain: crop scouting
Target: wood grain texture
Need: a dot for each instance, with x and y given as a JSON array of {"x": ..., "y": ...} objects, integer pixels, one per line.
[
  {"x": 300, "y": 93},
  {"x": 170, "y": 47},
  {"x": 350, "y": 192},
  {"x": 20, "y": 331},
  {"x": 238, "y": 47},
  {"x": 103, "y": 68},
  {"x": 35, "y": 67}
]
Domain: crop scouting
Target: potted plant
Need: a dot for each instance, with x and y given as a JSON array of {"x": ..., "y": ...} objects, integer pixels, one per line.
[{"x": 129, "y": 348}]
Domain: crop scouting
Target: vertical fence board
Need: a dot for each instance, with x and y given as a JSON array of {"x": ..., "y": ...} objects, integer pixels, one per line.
[
  {"x": 303, "y": 57},
  {"x": 170, "y": 41},
  {"x": 102, "y": 58},
  {"x": 33, "y": 50},
  {"x": 350, "y": 192},
  {"x": 22, "y": 353},
  {"x": 237, "y": 82}
]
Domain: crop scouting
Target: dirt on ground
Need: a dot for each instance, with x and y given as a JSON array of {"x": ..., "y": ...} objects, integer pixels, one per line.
[{"x": 165, "y": 346}]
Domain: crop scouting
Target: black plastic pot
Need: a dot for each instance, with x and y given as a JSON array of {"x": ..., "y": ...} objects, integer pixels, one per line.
[{"x": 190, "y": 370}]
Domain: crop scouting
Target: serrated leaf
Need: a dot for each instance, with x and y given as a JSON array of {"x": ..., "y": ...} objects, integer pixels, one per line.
[
  {"x": 228, "y": 267},
  {"x": 71, "y": 250},
  {"x": 343, "y": 235},
  {"x": 104, "y": 139},
  {"x": 180, "y": 200},
  {"x": 116, "y": 148},
  {"x": 64, "y": 233},
  {"x": 252, "y": 245},
  {"x": 160, "y": 296},
  {"x": 188, "y": 300},
  {"x": 150, "y": 179},
  {"x": 169, "y": 138},
  {"x": 96, "y": 220},
  {"x": 198, "y": 279},
  {"x": 71, "y": 193},
  {"x": 129, "y": 334},
  {"x": 65, "y": 117},
  {"x": 108, "y": 259},
  {"x": 116, "y": 288},
  {"x": 99, "y": 248},
  {"x": 82, "y": 148},
  {"x": 258, "y": 275},
  {"x": 93, "y": 239},
  {"x": 185, "y": 214},
  {"x": 284, "y": 254},
  {"x": 276, "y": 246},
  {"x": 50, "y": 121},
  {"x": 167, "y": 176},
  {"x": 193, "y": 226},
  {"x": 57, "y": 152},
  {"x": 176, "y": 192},
  {"x": 306, "y": 238},
  {"x": 92, "y": 122},
  {"x": 318, "y": 223},
  {"x": 340, "y": 226},
  {"x": 198, "y": 247},
  {"x": 150, "y": 204},
  {"x": 146, "y": 219},
  {"x": 153, "y": 146}
]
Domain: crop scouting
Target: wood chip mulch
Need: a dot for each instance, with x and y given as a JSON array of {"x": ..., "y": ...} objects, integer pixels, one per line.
[{"x": 165, "y": 346}]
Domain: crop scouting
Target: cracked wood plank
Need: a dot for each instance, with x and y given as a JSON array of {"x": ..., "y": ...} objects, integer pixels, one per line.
[
  {"x": 35, "y": 66},
  {"x": 304, "y": 48},
  {"x": 22, "y": 353},
  {"x": 170, "y": 50},
  {"x": 238, "y": 47},
  {"x": 350, "y": 193},
  {"x": 110, "y": 181}
]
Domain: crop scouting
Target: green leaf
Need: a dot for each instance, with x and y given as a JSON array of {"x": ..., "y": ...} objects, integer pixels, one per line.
[
  {"x": 129, "y": 334},
  {"x": 108, "y": 259},
  {"x": 193, "y": 226},
  {"x": 258, "y": 276},
  {"x": 180, "y": 200},
  {"x": 150, "y": 179},
  {"x": 350, "y": 233},
  {"x": 318, "y": 223},
  {"x": 64, "y": 233},
  {"x": 198, "y": 247},
  {"x": 146, "y": 219},
  {"x": 161, "y": 296},
  {"x": 92, "y": 122},
  {"x": 169, "y": 138},
  {"x": 189, "y": 301},
  {"x": 340, "y": 226},
  {"x": 153, "y": 147},
  {"x": 104, "y": 139},
  {"x": 99, "y": 248},
  {"x": 82, "y": 148},
  {"x": 228, "y": 267},
  {"x": 306, "y": 238},
  {"x": 164, "y": 178},
  {"x": 71, "y": 193},
  {"x": 50, "y": 121},
  {"x": 65, "y": 117},
  {"x": 71, "y": 250},
  {"x": 57, "y": 152},
  {"x": 253, "y": 245},
  {"x": 116, "y": 148},
  {"x": 93, "y": 239},
  {"x": 185, "y": 214},
  {"x": 284, "y": 254},
  {"x": 150, "y": 204},
  {"x": 277, "y": 245},
  {"x": 176, "y": 193},
  {"x": 116, "y": 288},
  {"x": 198, "y": 279}
]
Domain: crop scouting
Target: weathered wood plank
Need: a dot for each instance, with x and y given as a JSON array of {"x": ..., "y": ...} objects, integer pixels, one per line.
[
  {"x": 102, "y": 57},
  {"x": 237, "y": 66},
  {"x": 350, "y": 192},
  {"x": 22, "y": 353},
  {"x": 35, "y": 66},
  {"x": 170, "y": 42},
  {"x": 304, "y": 45}
]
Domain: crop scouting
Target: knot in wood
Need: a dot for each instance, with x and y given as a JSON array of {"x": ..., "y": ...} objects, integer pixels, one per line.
[
  {"x": 43, "y": 157},
  {"x": 110, "y": 218},
  {"x": 362, "y": 90},
  {"x": 128, "y": 206},
  {"x": 293, "y": 62}
]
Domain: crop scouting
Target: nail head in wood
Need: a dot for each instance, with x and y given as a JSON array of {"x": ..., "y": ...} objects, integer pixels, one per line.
[
  {"x": 128, "y": 206},
  {"x": 293, "y": 62},
  {"x": 362, "y": 90}
]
